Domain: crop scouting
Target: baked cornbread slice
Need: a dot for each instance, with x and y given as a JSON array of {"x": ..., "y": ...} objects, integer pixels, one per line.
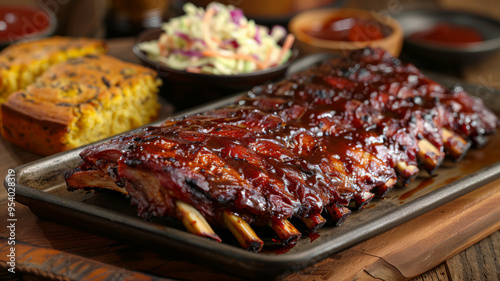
[
  {"x": 21, "y": 63},
  {"x": 80, "y": 101}
]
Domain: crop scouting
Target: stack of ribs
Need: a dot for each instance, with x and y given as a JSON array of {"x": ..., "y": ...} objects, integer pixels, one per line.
[{"x": 315, "y": 146}]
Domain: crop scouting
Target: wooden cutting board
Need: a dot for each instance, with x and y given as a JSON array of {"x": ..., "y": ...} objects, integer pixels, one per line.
[{"x": 420, "y": 244}]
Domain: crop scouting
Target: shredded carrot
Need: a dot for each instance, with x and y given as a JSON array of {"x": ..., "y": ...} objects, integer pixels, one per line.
[
  {"x": 267, "y": 59},
  {"x": 193, "y": 69},
  {"x": 260, "y": 65},
  {"x": 162, "y": 41},
  {"x": 216, "y": 40},
  {"x": 170, "y": 41},
  {"x": 162, "y": 49},
  {"x": 206, "y": 28},
  {"x": 211, "y": 41},
  {"x": 215, "y": 45},
  {"x": 213, "y": 53},
  {"x": 287, "y": 45}
]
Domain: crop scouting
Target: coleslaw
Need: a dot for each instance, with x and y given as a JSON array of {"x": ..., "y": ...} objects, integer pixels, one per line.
[{"x": 218, "y": 40}]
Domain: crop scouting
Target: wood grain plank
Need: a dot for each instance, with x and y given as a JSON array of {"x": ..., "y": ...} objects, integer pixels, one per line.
[
  {"x": 419, "y": 245},
  {"x": 468, "y": 227},
  {"x": 425, "y": 242},
  {"x": 481, "y": 258},
  {"x": 439, "y": 273},
  {"x": 50, "y": 264},
  {"x": 348, "y": 265},
  {"x": 462, "y": 228}
]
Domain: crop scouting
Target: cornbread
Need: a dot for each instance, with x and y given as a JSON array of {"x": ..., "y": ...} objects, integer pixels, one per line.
[
  {"x": 80, "y": 101},
  {"x": 21, "y": 63}
]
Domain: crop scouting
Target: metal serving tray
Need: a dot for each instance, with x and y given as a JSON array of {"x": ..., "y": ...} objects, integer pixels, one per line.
[{"x": 40, "y": 185}]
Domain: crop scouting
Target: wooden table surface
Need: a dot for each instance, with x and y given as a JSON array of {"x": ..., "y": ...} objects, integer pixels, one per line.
[{"x": 470, "y": 249}]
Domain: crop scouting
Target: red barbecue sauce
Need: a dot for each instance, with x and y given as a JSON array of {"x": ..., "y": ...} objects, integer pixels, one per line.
[
  {"x": 313, "y": 236},
  {"x": 17, "y": 22},
  {"x": 448, "y": 34},
  {"x": 422, "y": 185},
  {"x": 347, "y": 29}
]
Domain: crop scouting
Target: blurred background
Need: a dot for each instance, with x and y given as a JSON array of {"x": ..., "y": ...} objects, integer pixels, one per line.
[
  {"x": 127, "y": 18},
  {"x": 117, "y": 18}
]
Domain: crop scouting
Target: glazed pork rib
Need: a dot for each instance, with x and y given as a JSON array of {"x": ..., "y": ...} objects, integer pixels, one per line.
[{"x": 315, "y": 146}]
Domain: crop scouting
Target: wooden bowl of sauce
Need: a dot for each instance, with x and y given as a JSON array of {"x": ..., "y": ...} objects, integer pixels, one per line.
[
  {"x": 343, "y": 30},
  {"x": 451, "y": 37}
]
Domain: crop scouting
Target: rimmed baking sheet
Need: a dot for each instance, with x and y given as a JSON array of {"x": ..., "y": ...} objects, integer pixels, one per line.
[{"x": 40, "y": 185}]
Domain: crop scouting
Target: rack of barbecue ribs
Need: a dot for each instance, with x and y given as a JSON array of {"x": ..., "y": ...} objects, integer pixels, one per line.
[{"x": 315, "y": 146}]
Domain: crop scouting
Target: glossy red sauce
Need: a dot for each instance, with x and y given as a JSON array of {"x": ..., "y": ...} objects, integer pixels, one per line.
[
  {"x": 448, "y": 34},
  {"x": 347, "y": 29},
  {"x": 425, "y": 183},
  {"x": 21, "y": 21},
  {"x": 285, "y": 249},
  {"x": 313, "y": 236}
]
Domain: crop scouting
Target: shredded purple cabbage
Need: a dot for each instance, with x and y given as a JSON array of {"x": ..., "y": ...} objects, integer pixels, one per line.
[
  {"x": 184, "y": 36},
  {"x": 231, "y": 42},
  {"x": 188, "y": 53},
  {"x": 187, "y": 38},
  {"x": 236, "y": 15},
  {"x": 257, "y": 35},
  {"x": 216, "y": 8}
]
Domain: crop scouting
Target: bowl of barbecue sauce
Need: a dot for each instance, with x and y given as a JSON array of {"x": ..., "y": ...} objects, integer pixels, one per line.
[
  {"x": 24, "y": 22},
  {"x": 451, "y": 37},
  {"x": 342, "y": 30}
]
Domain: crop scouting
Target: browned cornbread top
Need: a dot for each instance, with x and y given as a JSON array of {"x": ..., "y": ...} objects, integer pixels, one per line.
[
  {"x": 21, "y": 63},
  {"x": 26, "y": 52},
  {"x": 75, "y": 85}
]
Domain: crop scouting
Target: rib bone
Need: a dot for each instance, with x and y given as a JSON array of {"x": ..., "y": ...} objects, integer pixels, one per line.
[
  {"x": 313, "y": 222},
  {"x": 195, "y": 222},
  {"x": 242, "y": 231},
  {"x": 429, "y": 156},
  {"x": 454, "y": 144},
  {"x": 285, "y": 230}
]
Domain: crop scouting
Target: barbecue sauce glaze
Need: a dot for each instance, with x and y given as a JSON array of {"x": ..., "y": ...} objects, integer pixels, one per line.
[{"x": 328, "y": 135}]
